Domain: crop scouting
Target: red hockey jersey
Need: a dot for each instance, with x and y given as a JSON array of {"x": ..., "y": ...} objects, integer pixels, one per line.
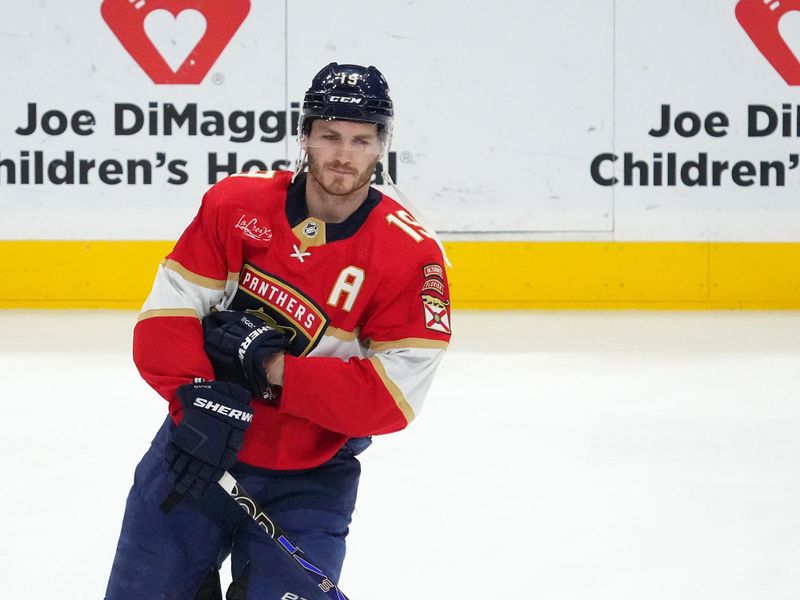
[{"x": 366, "y": 304}]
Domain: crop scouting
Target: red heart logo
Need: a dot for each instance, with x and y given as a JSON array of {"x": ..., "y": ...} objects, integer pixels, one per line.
[
  {"x": 760, "y": 19},
  {"x": 137, "y": 22}
]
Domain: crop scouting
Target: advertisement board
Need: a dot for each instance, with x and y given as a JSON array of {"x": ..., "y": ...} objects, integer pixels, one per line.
[
  {"x": 121, "y": 113},
  {"x": 589, "y": 148}
]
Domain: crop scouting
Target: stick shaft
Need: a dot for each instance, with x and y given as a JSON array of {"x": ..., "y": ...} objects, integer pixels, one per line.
[{"x": 263, "y": 520}]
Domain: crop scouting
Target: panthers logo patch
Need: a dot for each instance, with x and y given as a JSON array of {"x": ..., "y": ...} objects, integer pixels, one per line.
[{"x": 283, "y": 306}]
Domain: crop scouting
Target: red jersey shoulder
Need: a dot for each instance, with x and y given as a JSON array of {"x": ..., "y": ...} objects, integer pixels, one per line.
[
  {"x": 410, "y": 255},
  {"x": 253, "y": 189},
  {"x": 401, "y": 234},
  {"x": 250, "y": 203},
  {"x": 412, "y": 268}
]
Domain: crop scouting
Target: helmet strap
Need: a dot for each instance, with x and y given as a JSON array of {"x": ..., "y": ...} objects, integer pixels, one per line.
[{"x": 301, "y": 162}]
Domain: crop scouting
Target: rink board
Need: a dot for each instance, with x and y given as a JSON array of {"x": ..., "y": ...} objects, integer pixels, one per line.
[
  {"x": 491, "y": 275},
  {"x": 590, "y": 120},
  {"x": 639, "y": 155}
]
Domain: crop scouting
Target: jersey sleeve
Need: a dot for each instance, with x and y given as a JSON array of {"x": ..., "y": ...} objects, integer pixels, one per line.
[
  {"x": 407, "y": 333},
  {"x": 168, "y": 337}
]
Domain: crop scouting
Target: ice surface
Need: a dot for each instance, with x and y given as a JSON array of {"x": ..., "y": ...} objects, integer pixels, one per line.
[{"x": 560, "y": 455}]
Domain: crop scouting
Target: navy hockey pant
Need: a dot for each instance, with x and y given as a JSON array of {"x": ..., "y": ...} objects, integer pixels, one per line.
[{"x": 177, "y": 556}]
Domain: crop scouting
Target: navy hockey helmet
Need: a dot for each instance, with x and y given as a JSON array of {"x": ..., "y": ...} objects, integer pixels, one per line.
[{"x": 349, "y": 92}]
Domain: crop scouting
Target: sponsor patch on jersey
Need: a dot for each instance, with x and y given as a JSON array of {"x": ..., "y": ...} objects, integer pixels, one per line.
[
  {"x": 433, "y": 270},
  {"x": 287, "y": 305},
  {"x": 437, "y": 313},
  {"x": 252, "y": 229}
]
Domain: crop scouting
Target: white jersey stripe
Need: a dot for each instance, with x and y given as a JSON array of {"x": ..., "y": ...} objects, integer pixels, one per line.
[
  {"x": 411, "y": 370},
  {"x": 171, "y": 290}
]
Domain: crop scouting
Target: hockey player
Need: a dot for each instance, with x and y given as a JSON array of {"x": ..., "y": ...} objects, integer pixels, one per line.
[{"x": 298, "y": 315}]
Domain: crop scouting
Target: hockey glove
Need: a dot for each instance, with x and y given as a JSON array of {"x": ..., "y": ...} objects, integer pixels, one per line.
[
  {"x": 238, "y": 344},
  {"x": 205, "y": 443}
]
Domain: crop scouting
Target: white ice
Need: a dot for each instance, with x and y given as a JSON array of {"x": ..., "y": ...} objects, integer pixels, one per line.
[{"x": 560, "y": 455}]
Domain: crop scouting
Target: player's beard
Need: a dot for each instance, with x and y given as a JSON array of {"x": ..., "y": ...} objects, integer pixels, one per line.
[{"x": 335, "y": 184}]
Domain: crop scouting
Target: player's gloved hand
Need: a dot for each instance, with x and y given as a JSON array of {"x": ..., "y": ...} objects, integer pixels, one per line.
[
  {"x": 206, "y": 441},
  {"x": 238, "y": 344}
]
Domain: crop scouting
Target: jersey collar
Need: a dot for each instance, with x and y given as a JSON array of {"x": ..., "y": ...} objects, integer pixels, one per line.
[{"x": 297, "y": 211}]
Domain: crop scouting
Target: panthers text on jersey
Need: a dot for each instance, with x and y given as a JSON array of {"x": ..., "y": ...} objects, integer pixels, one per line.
[{"x": 365, "y": 303}]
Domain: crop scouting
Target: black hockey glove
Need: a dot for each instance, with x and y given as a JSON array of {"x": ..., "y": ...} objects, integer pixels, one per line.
[
  {"x": 238, "y": 344},
  {"x": 206, "y": 441}
]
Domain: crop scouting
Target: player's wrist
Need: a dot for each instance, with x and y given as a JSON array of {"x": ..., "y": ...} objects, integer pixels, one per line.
[{"x": 273, "y": 369}]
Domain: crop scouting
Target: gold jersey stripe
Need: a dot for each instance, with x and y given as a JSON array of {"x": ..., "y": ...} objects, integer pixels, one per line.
[
  {"x": 168, "y": 312},
  {"x": 341, "y": 334},
  {"x": 408, "y": 343},
  {"x": 206, "y": 282},
  {"x": 392, "y": 388}
]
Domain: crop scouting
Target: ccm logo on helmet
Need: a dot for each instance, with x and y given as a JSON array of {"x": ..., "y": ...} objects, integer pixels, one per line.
[
  {"x": 345, "y": 99},
  {"x": 223, "y": 410}
]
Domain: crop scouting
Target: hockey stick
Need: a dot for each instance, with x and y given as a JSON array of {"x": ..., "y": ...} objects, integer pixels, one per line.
[
  {"x": 262, "y": 519},
  {"x": 248, "y": 504}
]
